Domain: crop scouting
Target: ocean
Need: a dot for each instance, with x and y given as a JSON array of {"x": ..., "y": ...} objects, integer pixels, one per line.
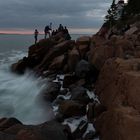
[{"x": 19, "y": 95}]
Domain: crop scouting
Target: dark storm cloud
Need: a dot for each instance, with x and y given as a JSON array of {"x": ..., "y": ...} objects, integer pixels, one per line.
[{"x": 36, "y": 13}]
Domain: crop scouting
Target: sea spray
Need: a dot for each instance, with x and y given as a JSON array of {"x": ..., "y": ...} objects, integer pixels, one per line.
[{"x": 19, "y": 95}]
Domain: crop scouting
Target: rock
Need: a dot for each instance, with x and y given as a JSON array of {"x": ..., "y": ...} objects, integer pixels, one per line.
[
  {"x": 69, "y": 80},
  {"x": 123, "y": 48},
  {"x": 58, "y": 100},
  {"x": 78, "y": 133},
  {"x": 83, "y": 49},
  {"x": 52, "y": 91},
  {"x": 84, "y": 40},
  {"x": 80, "y": 82},
  {"x": 121, "y": 123},
  {"x": 90, "y": 112},
  {"x": 104, "y": 31},
  {"x": 41, "y": 48},
  {"x": 99, "y": 55},
  {"x": 63, "y": 92},
  {"x": 2, "y": 119},
  {"x": 50, "y": 130},
  {"x": 56, "y": 51},
  {"x": 37, "y": 52},
  {"x": 71, "y": 108},
  {"x": 90, "y": 135},
  {"x": 59, "y": 37},
  {"x": 73, "y": 59},
  {"x": 85, "y": 70},
  {"x": 14, "y": 129},
  {"x": 122, "y": 87},
  {"x": 82, "y": 69},
  {"x": 97, "y": 40},
  {"x": 83, "y": 44},
  {"x": 131, "y": 31},
  {"x": 50, "y": 76},
  {"x": 57, "y": 63},
  {"x": 98, "y": 110},
  {"x": 8, "y": 122},
  {"x": 4, "y": 136},
  {"x": 20, "y": 66},
  {"x": 79, "y": 94},
  {"x": 59, "y": 117}
]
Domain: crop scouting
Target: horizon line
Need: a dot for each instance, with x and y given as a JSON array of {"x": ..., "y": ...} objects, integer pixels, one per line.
[{"x": 31, "y": 32}]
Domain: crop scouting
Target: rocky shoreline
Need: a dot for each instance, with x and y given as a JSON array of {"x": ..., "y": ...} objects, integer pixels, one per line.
[{"x": 91, "y": 82}]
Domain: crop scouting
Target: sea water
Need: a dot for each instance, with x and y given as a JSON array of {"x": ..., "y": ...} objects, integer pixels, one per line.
[{"x": 19, "y": 94}]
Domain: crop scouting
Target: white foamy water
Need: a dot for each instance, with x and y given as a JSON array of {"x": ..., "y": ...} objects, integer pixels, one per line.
[{"x": 19, "y": 94}]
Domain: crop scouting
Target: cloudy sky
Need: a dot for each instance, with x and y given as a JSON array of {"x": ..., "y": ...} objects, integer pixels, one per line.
[{"x": 26, "y": 15}]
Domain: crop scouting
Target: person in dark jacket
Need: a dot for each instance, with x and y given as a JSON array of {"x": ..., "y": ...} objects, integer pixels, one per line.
[
  {"x": 47, "y": 31},
  {"x": 36, "y": 35}
]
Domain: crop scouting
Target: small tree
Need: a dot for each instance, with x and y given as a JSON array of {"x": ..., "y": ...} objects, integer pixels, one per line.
[{"x": 112, "y": 14}]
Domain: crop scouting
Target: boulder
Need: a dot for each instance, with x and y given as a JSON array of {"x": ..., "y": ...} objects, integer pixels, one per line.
[
  {"x": 51, "y": 92},
  {"x": 69, "y": 79},
  {"x": 80, "y": 82},
  {"x": 90, "y": 136},
  {"x": 84, "y": 40},
  {"x": 59, "y": 37},
  {"x": 79, "y": 94},
  {"x": 131, "y": 31},
  {"x": 73, "y": 59},
  {"x": 50, "y": 130},
  {"x": 71, "y": 108},
  {"x": 99, "y": 55},
  {"x": 85, "y": 70},
  {"x": 83, "y": 44},
  {"x": 8, "y": 122},
  {"x": 118, "y": 83},
  {"x": 14, "y": 129},
  {"x": 98, "y": 109},
  {"x": 20, "y": 66},
  {"x": 83, "y": 49},
  {"x": 56, "y": 51},
  {"x": 80, "y": 130},
  {"x": 98, "y": 40},
  {"x": 57, "y": 63},
  {"x": 121, "y": 48},
  {"x": 122, "y": 123},
  {"x": 4, "y": 136},
  {"x": 90, "y": 112},
  {"x": 124, "y": 47},
  {"x": 41, "y": 48},
  {"x": 82, "y": 69}
]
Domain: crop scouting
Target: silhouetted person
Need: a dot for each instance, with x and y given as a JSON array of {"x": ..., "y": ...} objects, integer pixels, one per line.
[
  {"x": 66, "y": 30},
  {"x": 60, "y": 28},
  {"x": 53, "y": 32},
  {"x": 68, "y": 37},
  {"x": 47, "y": 31},
  {"x": 51, "y": 25},
  {"x": 36, "y": 35}
]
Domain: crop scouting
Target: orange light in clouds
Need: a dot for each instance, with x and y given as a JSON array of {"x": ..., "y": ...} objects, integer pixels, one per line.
[
  {"x": 16, "y": 31},
  {"x": 71, "y": 30}
]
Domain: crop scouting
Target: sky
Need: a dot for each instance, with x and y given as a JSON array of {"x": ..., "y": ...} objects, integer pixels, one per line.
[{"x": 80, "y": 16}]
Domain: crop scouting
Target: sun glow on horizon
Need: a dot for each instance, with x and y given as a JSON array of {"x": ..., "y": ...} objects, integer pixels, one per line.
[{"x": 71, "y": 30}]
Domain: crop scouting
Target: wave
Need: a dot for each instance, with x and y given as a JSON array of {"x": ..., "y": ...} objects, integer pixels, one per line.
[{"x": 19, "y": 95}]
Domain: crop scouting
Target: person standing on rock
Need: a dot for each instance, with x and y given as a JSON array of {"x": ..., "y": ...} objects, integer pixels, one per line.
[
  {"x": 60, "y": 28},
  {"x": 47, "y": 31},
  {"x": 36, "y": 35}
]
